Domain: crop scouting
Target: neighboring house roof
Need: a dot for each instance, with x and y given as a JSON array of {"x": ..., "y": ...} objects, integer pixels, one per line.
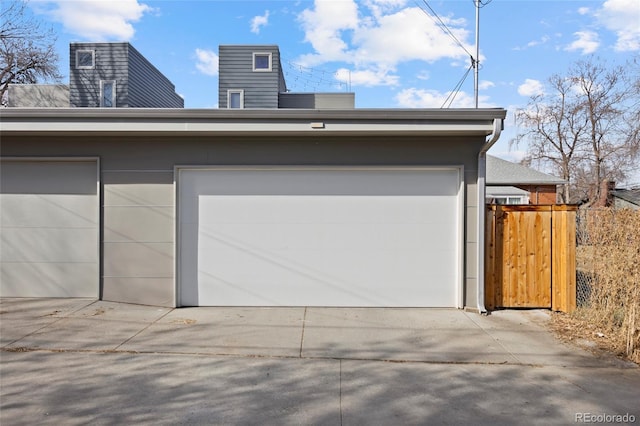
[
  {"x": 38, "y": 95},
  {"x": 502, "y": 172},
  {"x": 629, "y": 195}
]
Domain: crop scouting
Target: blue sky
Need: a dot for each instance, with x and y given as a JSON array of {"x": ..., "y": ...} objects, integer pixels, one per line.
[{"x": 392, "y": 52}]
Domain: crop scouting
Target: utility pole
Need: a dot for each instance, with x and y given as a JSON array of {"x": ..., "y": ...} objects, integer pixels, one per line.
[{"x": 476, "y": 61}]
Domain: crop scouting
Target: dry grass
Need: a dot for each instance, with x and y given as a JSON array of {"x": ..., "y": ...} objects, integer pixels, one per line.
[
  {"x": 574, "y": 328},
  {"x": 609, "y": 250}
]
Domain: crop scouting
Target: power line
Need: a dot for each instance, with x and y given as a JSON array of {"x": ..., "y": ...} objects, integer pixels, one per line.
[
  {"x": 475, "y": 60},
  {"x": 456, "y": 90},
  {"x": 434, "y": 16},
  {"x": 481, "y": 3}
]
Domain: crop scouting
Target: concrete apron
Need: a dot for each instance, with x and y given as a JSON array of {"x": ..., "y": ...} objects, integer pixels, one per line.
[
  {"x": 69, "y": 361},
  {"x": 380, "y": 334}
]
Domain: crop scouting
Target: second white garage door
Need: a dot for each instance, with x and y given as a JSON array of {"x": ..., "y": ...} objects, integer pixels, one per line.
[
  {"x": 49, "y": 218},
  {"x": 319, "y": 237}
]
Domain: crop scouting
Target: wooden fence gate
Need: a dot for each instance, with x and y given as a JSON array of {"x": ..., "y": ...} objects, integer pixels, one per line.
[{"x": 530, "y": 257}]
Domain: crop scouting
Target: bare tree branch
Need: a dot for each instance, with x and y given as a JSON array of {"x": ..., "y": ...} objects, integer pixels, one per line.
[
  {"x": 585, "y": 127},
  {"x": 27, "y": 48}
]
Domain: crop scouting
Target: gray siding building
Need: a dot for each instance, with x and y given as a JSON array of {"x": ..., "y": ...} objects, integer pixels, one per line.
[
  {"x": 251, "y": 77},
  {"x": 101, "y": 75},
  {"x": 117, "y": 75}
]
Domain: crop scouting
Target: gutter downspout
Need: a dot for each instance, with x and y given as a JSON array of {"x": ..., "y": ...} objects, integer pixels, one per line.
[{"x": 482, "y": 174}]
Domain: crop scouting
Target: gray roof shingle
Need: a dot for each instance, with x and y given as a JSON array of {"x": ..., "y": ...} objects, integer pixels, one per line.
[
  {"x": 503, "y": 172},
  {"x": 630, "y": 195}
]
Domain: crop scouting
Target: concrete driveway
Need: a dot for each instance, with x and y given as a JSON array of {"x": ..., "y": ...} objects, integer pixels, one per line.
[{"x": 79, "y": 361}]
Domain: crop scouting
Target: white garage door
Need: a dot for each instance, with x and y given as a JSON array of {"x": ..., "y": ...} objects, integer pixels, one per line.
[
  {"x": 319, "y": 237},
  {"x": 49, "y": 228}
]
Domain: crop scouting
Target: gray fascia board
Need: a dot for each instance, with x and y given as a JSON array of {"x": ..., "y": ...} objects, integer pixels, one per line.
[{"x": 271, "y": 121}]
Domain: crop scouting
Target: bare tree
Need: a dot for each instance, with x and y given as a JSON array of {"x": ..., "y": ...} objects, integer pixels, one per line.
[
  {"x": 632, "y": 115},
  {"x": 554, "y": 130},
  {"x": 27, "y": 48},
  {"x": 585, "y": 127},
  {"x": 605, "y": 106}
]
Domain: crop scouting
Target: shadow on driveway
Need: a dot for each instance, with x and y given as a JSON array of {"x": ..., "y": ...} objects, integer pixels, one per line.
[{"x": 81, "y": 361}]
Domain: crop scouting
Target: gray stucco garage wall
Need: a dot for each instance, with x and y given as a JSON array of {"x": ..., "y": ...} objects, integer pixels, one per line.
[{"x": 138, "y": 194}]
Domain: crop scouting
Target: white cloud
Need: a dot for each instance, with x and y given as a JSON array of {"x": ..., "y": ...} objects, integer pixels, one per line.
[
  {"x": 407, "y": 35},
  {"x": 323, "y": 27},
  {"x": 484, "y": 84},
  {"x": 533, "y": 43},
  {"x": 97, "y": 20},
  {"x": 207, "y": 62},
  {"x": 542, "y": 40},
  {"x": 377, "y": 35},
  {"x": 259, "y": 21},
  {"x": 586, "y": 41},
  {"x": 423, "y": 75},
  {"x": 421, "y": 98},
  {"x": 367, "y": 78},
  {"x": 583, "y": 10},
  {"x": 530, "y": 87},
  {"x": 379, "y": 7},
  {"x": 623, "y": 18}
]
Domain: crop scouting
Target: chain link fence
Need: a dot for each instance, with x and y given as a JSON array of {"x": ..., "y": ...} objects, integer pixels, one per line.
[{"x": 584, "y": 260}]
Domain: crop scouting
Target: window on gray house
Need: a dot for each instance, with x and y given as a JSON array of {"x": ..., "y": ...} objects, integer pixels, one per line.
[
  {"x": 235, "y": 99},
  {"x": 108, "y": 94},
  {"x": 85, "y": 59},
  {"x": 262, "y": 61}
]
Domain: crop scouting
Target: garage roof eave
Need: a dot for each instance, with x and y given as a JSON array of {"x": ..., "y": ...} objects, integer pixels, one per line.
[{"x": 168, "y": 122}]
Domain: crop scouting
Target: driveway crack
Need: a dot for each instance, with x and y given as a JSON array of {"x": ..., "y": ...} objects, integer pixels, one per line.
[
  {"x": 304, "y": 320},
  {"x": 340, "y": 392},
  {"x": 144, "y": 328},
  {"x": 518, "y": 361}
]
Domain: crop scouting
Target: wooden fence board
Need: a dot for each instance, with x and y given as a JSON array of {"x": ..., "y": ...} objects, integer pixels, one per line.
[
  {"x": 564, "y": 270},
  {"x": 489, "y": 260},
  {"x": 530, "y": 257},
  {"x": 499, "y": 259}
]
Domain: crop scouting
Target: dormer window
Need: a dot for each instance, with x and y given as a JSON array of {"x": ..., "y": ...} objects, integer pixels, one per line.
[
  {"x": 85, "y": 59},
  {"x": 262, "y": 61}
]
